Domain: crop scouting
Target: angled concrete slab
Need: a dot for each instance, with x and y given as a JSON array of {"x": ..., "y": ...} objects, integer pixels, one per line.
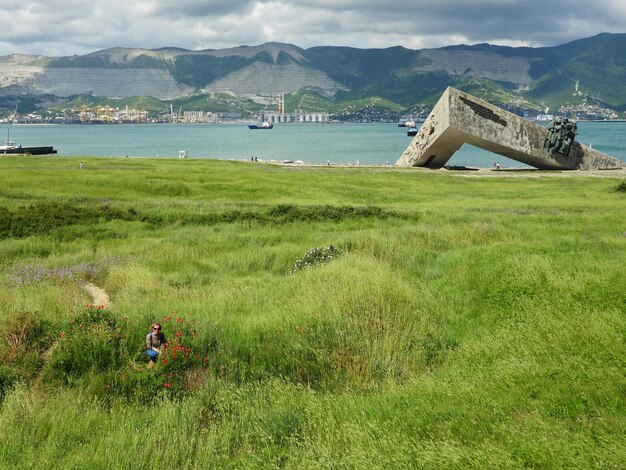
[{"x": 459, "y": 118}]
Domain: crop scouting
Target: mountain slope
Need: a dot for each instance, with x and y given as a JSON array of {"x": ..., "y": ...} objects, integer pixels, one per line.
[
  {"x": 593, "y": 67},
  {"x": 588, "y": 70}
]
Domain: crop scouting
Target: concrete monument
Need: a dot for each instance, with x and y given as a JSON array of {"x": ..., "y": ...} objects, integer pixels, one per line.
[{"x": 459, "y": 118}]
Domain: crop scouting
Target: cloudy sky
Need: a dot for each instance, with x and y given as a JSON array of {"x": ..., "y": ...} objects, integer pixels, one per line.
[{"x": 66, "y": 27}]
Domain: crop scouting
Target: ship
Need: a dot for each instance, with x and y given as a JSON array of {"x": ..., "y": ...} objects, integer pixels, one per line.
[
  {"x": 411, "y": 122},
  {"x": 11, "y": 147},
  {"x": 263, "y": 125}
]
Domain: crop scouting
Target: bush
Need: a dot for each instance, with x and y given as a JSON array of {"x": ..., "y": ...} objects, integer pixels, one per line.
[
  {"x": 316, "y": 256},
  {"x": 8, "y": 379},
  {"x": 94, "y": 350},
  {"x": 40, "y": 218},
  {"x": 621, "y": 188},
  {"x": 291, "y": 213},
  {"x": 92, "y": 342},
  {"x": 26, "y": 336},
  {"x": 182, "y": 353}
]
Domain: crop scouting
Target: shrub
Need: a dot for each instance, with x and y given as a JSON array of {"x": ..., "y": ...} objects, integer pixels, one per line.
[
  {"x": 8, "y": 379},
  {"x": 92, "y": 342},
  {"x": 94, "y": 351},
  {"x": 291, "y": 213},
  {"x": 34, "y": 219},
  {"x": 316, "y": 256},
  {"x": 621, "y": 188},
  {"x": 182, "y": 353},
  {"x": 26, "y": 336},
  {"x": 287, "y": 213}
]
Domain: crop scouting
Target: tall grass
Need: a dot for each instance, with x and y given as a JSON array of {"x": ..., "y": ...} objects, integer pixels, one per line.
[{"x": 467, "y": 322}]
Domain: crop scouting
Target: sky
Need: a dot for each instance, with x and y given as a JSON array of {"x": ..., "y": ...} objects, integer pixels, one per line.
[{"x": 67, "y": 27}]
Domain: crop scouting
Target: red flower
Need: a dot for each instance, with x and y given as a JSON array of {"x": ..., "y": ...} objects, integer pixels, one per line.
[
  {"x": 166, "y": 385},
  {"x": 164, "y": 362}
]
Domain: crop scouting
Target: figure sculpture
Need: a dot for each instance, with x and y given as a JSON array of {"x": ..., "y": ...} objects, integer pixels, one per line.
[{"x": 561, "y": 134}]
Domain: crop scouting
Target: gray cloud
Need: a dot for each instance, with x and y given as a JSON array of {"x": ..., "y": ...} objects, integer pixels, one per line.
[
  {"x": 195, "y": 8},
  {"x": 65, "y": 27}
]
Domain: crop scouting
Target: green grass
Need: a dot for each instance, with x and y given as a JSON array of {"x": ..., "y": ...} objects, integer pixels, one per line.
[{"x": 464, "y": 322}]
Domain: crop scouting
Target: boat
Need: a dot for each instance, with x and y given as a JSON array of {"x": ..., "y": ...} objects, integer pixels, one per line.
[
  {"x": 412, "y": 132},
  {"x": 11, "y": 147},
  {"x": 544, "y": 117},
  {"x": 263, "y": 125}
]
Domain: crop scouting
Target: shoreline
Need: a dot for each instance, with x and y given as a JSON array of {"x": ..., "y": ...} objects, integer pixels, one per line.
[
  {"x": 463, "y": 171},
  {"x": 513, "y": 172}
]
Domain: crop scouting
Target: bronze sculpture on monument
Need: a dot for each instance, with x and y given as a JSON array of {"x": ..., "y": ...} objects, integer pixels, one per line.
[{"x": 561, "y": 134}]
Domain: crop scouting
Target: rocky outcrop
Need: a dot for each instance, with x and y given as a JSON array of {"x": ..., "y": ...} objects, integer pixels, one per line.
[
  {"x": 120, "y": 83},
  {"x": 263, "y": 79},
  {"x": 16, "y": 79},
  {"x": 478, "y": 63}
]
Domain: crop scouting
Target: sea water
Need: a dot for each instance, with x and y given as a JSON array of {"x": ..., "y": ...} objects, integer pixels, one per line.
[{"x": 366, "y": 144}]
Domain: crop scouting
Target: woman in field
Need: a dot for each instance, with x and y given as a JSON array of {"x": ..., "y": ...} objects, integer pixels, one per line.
[{"x": 155, "y": 340}]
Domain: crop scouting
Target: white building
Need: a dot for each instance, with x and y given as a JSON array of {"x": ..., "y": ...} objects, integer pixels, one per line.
[
  {"x": 198, "y": 116},
  {"x": 275, "y": 117}
]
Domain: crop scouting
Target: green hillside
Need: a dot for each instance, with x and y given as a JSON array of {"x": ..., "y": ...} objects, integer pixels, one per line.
[
  {"x": 146, "y": 103},
  {"x": 597, "y": 64},
  {"x": 200, "y": 70},
  {"x": 388, "y": 73}
]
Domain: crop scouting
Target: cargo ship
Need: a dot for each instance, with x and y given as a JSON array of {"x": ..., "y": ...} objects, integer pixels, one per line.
[{"x": 264, "y": 125}]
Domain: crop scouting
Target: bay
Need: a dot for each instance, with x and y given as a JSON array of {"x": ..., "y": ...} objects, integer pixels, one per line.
[{"x": 367, "y": 144}]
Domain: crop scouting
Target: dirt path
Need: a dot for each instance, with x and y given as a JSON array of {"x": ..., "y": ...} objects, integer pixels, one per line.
[{"x": 98, "y": 295}]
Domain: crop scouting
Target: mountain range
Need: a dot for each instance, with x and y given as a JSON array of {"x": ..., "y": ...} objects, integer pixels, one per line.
[{"x": 325, "y": 78}]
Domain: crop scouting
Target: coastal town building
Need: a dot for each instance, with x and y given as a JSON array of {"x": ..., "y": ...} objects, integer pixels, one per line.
[
  {"x": 276, "y": 117},
  {"x": 198, "y": 117}
]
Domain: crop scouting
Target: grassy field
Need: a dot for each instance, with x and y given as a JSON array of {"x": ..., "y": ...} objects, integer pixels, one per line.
[{"x": 318, "y": 317}]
